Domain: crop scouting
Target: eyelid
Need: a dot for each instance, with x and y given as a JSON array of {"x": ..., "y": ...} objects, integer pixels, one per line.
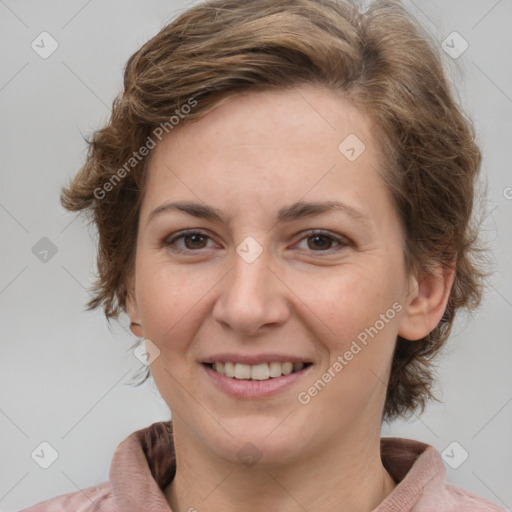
[
  {"x": 169, "y": 240},
  {"x": 340, "y": 240}
]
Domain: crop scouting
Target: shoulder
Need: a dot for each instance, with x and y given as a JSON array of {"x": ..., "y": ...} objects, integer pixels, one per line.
[
  {"x": 91, "y": 499},
  {"x": 456, "y": 499},
  {"x": 420, "y": 474}
]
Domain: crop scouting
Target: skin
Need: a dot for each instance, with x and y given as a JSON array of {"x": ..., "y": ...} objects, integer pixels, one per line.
[{"x": 251, "y": 156}]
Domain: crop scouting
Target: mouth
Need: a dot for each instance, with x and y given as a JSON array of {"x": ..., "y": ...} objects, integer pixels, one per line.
[
  {"x": 256, "y": 376},
  {"x": 256, "y": 372}
]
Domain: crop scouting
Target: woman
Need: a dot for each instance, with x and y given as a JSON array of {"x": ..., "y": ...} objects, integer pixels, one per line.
[{"x": 283, "y": 196}]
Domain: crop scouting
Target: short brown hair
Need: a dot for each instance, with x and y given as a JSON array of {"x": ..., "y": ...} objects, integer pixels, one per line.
[{"x": 380, "y": 59}]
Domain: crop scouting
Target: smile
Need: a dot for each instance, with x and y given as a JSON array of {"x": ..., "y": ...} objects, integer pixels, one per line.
[
  {"x": 255, "y": 381},
  {"x": 262, "y": 371}
]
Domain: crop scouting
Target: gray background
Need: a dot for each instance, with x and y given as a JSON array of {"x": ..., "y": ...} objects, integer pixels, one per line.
[{"x": 64, "y": 372}]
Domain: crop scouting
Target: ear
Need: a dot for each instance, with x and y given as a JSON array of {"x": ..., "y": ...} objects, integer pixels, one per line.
[
  {"x": 133, "y": 310},
  {"x": 426, "y": 303}
]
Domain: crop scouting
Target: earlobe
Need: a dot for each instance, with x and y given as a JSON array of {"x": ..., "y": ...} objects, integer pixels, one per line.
[
  {"x": 136, "y": 329},
  {"x": 426, "y": 304},
  {"x": 133, "y": 312}
]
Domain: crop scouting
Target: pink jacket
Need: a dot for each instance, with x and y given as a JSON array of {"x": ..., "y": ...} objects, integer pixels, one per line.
[{"x": 143, "y": 465}]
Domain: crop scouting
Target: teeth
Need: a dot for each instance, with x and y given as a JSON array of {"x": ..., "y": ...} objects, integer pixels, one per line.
[
  {"x": 242, "y": 371},
  {"x": 275, "y": 369},
  {"x": 229, "y": 369},
  {"x": 219, "y": 367},
  {"x": 260, "y": 372},
  {"x": 287, "y": 368},
  {"x": 263, "y": 371}
]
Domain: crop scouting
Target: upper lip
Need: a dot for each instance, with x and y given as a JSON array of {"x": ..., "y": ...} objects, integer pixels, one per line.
[{"x": 254, "y": 358}]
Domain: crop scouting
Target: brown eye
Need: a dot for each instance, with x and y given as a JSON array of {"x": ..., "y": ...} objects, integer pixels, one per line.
[
  {"x": 192, "y": 242},
  {"x": 195, "y": 241},
  {"x": 320, "y": 242}
]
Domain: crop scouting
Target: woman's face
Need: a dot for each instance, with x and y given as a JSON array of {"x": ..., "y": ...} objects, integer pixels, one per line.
[{"x": 258, "y": 289}]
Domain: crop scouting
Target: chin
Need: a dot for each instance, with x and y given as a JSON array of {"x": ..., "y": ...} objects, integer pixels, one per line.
[{"x": 258, "y": 440}]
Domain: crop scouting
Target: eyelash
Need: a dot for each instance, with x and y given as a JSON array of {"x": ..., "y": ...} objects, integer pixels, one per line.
[{"x": 308, "y": 234}]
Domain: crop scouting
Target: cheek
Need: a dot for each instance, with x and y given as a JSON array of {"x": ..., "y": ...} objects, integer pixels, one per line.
[
  {"x": 169, "y": 297},
  {"x": 170, "y": 300},
  {"x": 350, "y": 300},
  {"x": 359, "y": 312}
]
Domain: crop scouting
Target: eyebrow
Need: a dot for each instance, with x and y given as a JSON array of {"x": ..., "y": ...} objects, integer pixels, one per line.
[{"x": 289, "y": 213}]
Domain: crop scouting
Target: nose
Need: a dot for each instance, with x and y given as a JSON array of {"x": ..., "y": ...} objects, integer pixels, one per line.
[{"x": 252, "y": 297}]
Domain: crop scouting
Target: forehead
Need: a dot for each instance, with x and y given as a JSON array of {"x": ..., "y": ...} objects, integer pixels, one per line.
[
  {"x": 269, "y": 148},
  {"x": 300, "y": 119}
]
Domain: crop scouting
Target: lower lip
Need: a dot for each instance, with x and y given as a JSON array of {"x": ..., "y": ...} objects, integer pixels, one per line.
[{"x": 240, "y": 388}]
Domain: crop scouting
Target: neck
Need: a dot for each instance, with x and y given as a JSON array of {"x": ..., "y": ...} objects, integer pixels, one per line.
[{"x": 347, "y": 476}]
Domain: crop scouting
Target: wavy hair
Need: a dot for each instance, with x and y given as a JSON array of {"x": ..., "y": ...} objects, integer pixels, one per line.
[{"x": 379, "y": 58}]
